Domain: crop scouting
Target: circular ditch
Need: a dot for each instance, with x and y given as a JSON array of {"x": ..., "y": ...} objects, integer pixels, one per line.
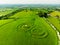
[
  {"x": 24, "y": 27},
  {"x": 34, "y": 31},
  {"x": 38, "y": 33}
]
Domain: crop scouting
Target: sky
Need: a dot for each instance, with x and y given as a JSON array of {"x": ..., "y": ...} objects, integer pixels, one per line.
[{"x": 29, "y": 1}]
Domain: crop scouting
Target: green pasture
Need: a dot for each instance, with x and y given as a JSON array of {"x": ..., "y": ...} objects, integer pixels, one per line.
[
  {"x": 55, "y": 22},
  {"x": 26, "y": 28}
]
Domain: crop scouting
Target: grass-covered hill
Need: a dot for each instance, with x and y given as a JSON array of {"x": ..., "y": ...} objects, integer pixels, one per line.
[{"x": 26, "y": 28}]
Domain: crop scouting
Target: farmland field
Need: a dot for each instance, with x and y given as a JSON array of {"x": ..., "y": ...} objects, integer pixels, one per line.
[
  {"x": 55, "y": 22},
  {"x": 26, "y": 26},
  {"x": 6, "y": 11}
]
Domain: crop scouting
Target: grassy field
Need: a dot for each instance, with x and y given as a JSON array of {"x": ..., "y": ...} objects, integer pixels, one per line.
[
  {"x": 55, "y": 22},
  {"x": 54, "y": 19},
  {"x": 28, "y": 29},
  {"x": 3, "y": 13},
  {"x": 54, "y": 13}
]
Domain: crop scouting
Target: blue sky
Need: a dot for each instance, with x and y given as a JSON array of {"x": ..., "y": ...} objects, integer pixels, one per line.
[{"x": 29, "y": 1}]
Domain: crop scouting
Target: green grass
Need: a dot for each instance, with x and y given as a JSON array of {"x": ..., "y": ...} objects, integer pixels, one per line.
[
  {"x": 6, "y": 12},
  {"x": 55, "y": 22},
  {"x": 3, "y": 22},
  {"x": 55, "y": 13},
  {"x": 29, "y": 29}
]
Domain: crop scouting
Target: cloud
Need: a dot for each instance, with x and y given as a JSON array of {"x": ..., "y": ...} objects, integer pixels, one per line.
[{"x": 29, "y": 1}]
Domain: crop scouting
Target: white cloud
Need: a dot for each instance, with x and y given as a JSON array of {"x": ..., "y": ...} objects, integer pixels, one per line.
[{"x": 29, "y": 1}]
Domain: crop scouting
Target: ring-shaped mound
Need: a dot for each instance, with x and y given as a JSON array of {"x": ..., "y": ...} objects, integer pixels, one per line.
[
  {"x": 24, "y": 27},
  {"x": 38, "y": 33}
]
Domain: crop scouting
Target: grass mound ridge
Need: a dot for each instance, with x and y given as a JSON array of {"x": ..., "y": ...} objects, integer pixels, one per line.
[{"x": 39, "y": 33}]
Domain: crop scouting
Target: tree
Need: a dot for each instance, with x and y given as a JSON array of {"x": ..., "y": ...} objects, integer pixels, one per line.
[{"x": 43, "y": 14}]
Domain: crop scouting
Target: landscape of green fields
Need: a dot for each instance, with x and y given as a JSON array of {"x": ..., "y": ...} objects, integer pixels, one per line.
[{"x": 27, "y": 25}]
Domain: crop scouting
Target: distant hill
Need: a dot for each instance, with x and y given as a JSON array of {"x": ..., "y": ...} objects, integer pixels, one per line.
[{"x": 29, "y": 5}]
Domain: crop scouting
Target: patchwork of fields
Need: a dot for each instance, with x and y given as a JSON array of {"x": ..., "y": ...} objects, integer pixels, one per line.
[{"x": 5, "y": 11}]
